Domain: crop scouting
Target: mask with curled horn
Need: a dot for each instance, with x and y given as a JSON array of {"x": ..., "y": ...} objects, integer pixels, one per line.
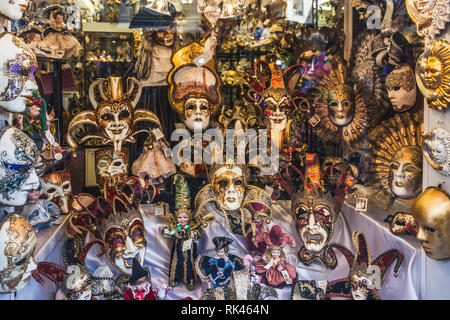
[{"x": 114, "y": 114}]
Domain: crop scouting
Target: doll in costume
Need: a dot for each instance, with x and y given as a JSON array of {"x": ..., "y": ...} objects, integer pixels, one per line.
[
  {"x": 139, "y": 285},
  {"x": 184, "y": 230},
  {"x": 273, "y": 266}
]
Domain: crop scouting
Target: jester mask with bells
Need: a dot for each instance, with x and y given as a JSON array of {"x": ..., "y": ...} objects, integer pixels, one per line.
[
  {"x": 366, "y": 276},
  {"x": 114, "y": 115},
  {"x": 58, "y": 189},
  {"x": 229, "y": 192},
  {"x": 18, "y": 65},
  {"x": 316, "y": 206},
  {"x": 394, "y": 163},
  {"x": 432, "y": 213},
  {"x": 18, "y": 158},
  {"x": 429, "y": 16},
  {"x": 436, "y": 149},
  {"x": 17, "y": 243},
  {"x": 111, "y": 168},
  {"x": 194, "y": 91},
  {"x": 433, "y": 74},
  {"x": 115, "y": 221}
]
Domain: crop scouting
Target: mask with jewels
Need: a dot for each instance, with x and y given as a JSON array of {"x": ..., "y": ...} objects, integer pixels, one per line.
[
  {"x": 19, "y": 65},
  {"x": 13, "y": 9},
  {"x": 18, "y": 157},
  {"x": 401, "y": 88},
  {"x": 58, "y": 189},
  {"x": 17, "y": 243},
  {"x": 432, "y": 213},
  {"x": 111, "y": 168},
  {"x": 436, "y": 149}
]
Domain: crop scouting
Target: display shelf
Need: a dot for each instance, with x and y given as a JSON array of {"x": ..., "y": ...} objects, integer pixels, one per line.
[{"x": 48, "y": 238}]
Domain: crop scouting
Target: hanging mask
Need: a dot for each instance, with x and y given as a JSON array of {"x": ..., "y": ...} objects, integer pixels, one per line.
[
  {"x": 432, "y": 213},
  {"x": 405, "y": 174},
  {"x": 436, "y": 149},
  {"x": 229, "y": 187},
  {"x": 111, "y": 168},
  {"x": 401, "y": 88},
  {"x": 429, "y": 16},
  {"x": 17, "y": 243},
  {"x": 58, "y": 189},
  {"x": 18, "y": 65},
  {"x": 18, "y": 157},
  {"x": 341, "y": 108}
]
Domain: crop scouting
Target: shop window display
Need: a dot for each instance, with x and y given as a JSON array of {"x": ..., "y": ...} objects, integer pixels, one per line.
[{"x": 249, "y": 150}]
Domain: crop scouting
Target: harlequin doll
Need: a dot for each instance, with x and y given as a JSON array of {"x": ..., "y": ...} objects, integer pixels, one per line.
[
  {"x": 273, "y": 266},
  {"x": 184, "y": 230},
  {"x": 140, "y": 287}
]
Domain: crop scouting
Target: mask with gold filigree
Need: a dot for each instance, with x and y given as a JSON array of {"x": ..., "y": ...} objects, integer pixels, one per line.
[
  {"x": 17, "y": 243},
  {"x": 401, "y": 87},
  {"x": 433, "y": 74},
  {"x": 114, "y": 115},
  {"x": 436, "y": 149},
  {"x": 194, "y": 91},
  {"x": 429, "y": 16},
  {"x": 57, "y": 188},
  {"x": 111, "y": 168}
]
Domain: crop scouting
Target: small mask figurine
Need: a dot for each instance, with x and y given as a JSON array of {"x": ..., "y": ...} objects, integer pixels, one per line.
[
  {"x": 111, "y": 168},
  {"x": 239, "y": 202},
  {"x": 140, "y": 286},
  {"x": 18, "y": 157},
  {"x": 404, "y": 223},
  {"x": 273, "y": 266},
  {"x": 432, "y": 213},
  {"x": 58, "y": 189},
  {"x": 395, "y": 161},
  {"x": 436, "y": 149},
  {"x": 17, "y": 243},
  {"x": 366, "y": 275},
  {"x": 433, "y": 74},
  {"x": 18, "y": 64},
  {"x": 13, "y": 9},
  {"x": 316, "y": 207},
  {"x": 194, "y": 91},
  {"x": 401, "y": 87},
  {"x": 429, "y": 16},
  {"x": 184, "y": 230},
  {"x": 114, "y": 115}
]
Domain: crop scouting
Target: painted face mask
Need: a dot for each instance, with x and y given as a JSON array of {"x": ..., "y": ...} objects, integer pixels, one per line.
[
  {"x": 406, "y": 173},
  {"x": 18, "y": 65},
  {"x": 277, "y": 106},
  {"x": 196, "y": 113},
  {"x": 404, "y": 223},
  {"x": 165, "y": 38},
  {"x": 17, "y": 243},
  {"x": 111, "y": 168},
  {"x": 18, "y": 156},
  {"x": 341, "y": 108},
  {"x": 58, "y": 189},
  {"x": 432, "y": 212},
  {"x": 401, "y": 88},
  {"x": 229, "y": 187},
  {"x": 13, "y": 9},
  {"x": 436, "y": 149},
  {"x": 79, "y": 283}
]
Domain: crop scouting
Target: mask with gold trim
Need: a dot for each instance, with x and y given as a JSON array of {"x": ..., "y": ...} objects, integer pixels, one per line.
[
  {"x": 436, "y": 149},
  {"x": 111, "y": 168},
  {"x": 429, "y": 16},
  {"x": 58, "y": 189},
  {"x": 17, "y": 243},
  {"x": 404, "y": 223},
  {"x": 401, "y": 88},
  {"x": 433, "y": 74},
  {"x": 432, "y": 213},
  {"x": 114, "y": 115}
]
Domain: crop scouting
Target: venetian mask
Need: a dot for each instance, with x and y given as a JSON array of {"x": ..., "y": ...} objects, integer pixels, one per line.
[
  {"x": 18, "y": 156},
  {"x": 436, "y": 149},
  {"x": 432, "y": 213},
  {"x": 403, "y": 223},
  {"x": 229, "y": 187},
  {"x": 196, "y": 113},
  {"x": 406, "y": 172},
  {"x": 17, "y": 243},
  {"x": 401, "y": 88},
  {"x": 58, "y": 189},
  {"x": 13, "y": 9},
  {"x": 341, "y": 108},
  {"x": 18, "y": 65},
  {"x": 429, "y": 16},
  {"x": 111, "y": 168},
  {"x": 79, "y": 283},
  {"x": 276, "y": 104},
  {"x": 165, "y": 38},
  {"x": 360, "y": 287}
]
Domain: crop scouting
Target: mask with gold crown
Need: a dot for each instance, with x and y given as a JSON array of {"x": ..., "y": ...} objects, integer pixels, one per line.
[
  {"x": 316, "y": 206},
  {"x": 114, "y": 115}
]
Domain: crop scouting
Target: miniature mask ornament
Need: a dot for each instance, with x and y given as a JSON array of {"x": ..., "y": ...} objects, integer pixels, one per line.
[
  {"x": 18, "y": 157},
  {"x": 401, "y": 87},
  {"x": 433, "y": 74},
  {"x": 13, "y": 9},
  {"x": 366, "y": 275},
  {"x": 436, "y": 149},
  {"x": 18, "y": 65},
  {"x": 114, "y": 115},
  {"x": 58, "y": 189},
  {"x": 432, "y": 213},
  {"x": 111, "y": 168},
  {"x": 404, "y": 223},
  {"x": 429, "y": 16},
  {"x": 17, "y": 243}
]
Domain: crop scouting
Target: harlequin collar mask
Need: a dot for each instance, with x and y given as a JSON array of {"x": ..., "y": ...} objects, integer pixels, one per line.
[{"x": 114, "y": 115}]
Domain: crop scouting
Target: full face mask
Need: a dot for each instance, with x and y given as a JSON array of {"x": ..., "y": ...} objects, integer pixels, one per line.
[
  {"x": 58, "y": 189},
  {"x": 79, "y": 283},
  {"x": 18, "y": 65},
  {"x": 18, "y": 156},
  {"x": 111, "y": 168},
  {"x": 165, "y": 38},
  {"x": 429, "y": 16},
  {"x": 406, "y": 172},
  {"x": 229, "y": 187},
  {"x": 13, "y": 9},
  {"x": 196, "y": 113},
  {"x": 432, "y": 213},
  {"x": 401, "y": 88},
  {"x": 276, "y": 104},
  {"x": 341, "y": 108},
  {"x": 17, "y": 243},
  {"x": 436, "y": 149}
]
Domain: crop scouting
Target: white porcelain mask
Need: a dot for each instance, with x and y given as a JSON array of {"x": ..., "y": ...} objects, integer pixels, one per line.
[
  {"x": 17, "y": 243},
  {"x": 436, "y": 149},
  {"x": 229, "y": 187},
  {"x": 58, "y": 189},
  {"x": 196, "y": 113},
  {"x": 13, "y": 9},
  {"x": 18, "y": 156},
  {"x": 18, "y": 65}
]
